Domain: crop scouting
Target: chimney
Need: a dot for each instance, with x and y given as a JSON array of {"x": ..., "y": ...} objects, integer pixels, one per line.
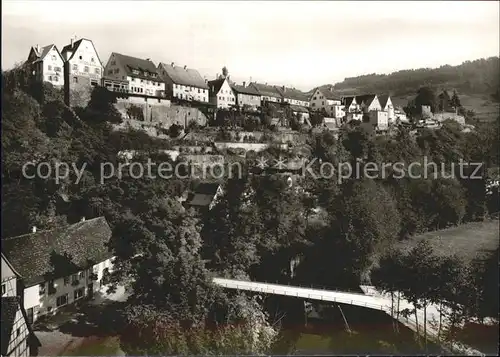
[
  {"x": 71, "y": 42},
  {"x": 185, "y": 67},
  {"x": 283, "y": 87},
  {"x": 148, "y": 59},
  {"x": 244, "y": 84},
  {"x": 217, "y": 76},
  {"x": 33, "y": 229},
  {"x": 172, "y": 64},
  {"x": 37, "y": 48},
  {"x": 82, "y": 219}
]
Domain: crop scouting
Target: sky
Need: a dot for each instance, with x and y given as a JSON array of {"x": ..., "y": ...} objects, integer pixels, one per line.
[{"x": 298, "y": 43}]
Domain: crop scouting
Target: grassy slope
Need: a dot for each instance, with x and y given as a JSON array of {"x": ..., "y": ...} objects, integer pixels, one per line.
[{"x": 472, "y": 240}]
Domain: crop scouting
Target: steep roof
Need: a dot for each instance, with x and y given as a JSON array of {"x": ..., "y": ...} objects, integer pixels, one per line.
[
  {"x": 59, "y": 252},
  {"x": 383, "y": 99},
  {"x": 244, "y": 90},
  {"x": 207, "y": 188},
  {"x": 330, "y": 94},
  {"x": 366, "y": 98},
  {"x": 146, "y": 68},
  {"x": 292, "y": 93},
  {"x": 348, "y": 101},
  {"x": 75, "y": 46},
  {"x": 179, "y": 75},
  {"x": 10, "y": 305},
  {"x": 216, "y": 84},
  {"x": 266, "y": 90}
]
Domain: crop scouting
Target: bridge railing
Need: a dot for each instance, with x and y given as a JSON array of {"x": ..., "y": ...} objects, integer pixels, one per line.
[{"x": 309, "y": 287}]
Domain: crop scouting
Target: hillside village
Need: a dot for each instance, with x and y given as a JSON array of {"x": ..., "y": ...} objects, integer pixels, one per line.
[
  {"x": 155, "y": 97},
  {"x": 216, "y": 121}
]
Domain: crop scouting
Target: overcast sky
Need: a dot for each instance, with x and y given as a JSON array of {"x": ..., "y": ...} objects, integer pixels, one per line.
[{"x": 302, "y": 44}]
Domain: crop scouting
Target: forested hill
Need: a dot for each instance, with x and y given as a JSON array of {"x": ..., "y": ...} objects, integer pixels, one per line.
[{"x": 479, "y": 77}]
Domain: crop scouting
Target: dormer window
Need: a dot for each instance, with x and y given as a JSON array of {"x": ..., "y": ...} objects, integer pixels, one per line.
[{"x": 134, "y": 71}]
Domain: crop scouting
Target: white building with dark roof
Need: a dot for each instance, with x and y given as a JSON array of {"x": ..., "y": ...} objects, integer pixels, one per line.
[
  {"x": 183, "y": 83},
  {"x": 293, "y": 96},
  {"x": 326, "y": 99},
  {"x": 46, "y": 64},
  {"x": 18, "y": 338},
  {"x": 82, "y": 71},
  {"x": 60, "y": 266},
  {"x": 140, "y": 75}
]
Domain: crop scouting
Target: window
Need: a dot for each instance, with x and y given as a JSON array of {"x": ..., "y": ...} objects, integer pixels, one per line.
[
  {"x": 314, "y": 98},
  {"x": 55, "y": 78},
  {"x": 142, "y": 80},
  {"x": 86, "y": 69},
  {"x": 74, "y": 278},
  {"x": 75, "y": 79},
  {"x": 4, "y": 289},
  {"x": 117, "y": 70},
  {"x": 78, "y": 294},
  {"x": 113, "y": 62},
  {"x": 198, "y": 90},
  {"x": 75, "y": 67},
  {"x": 50, "y": 68},
  {"x": 97, "y": 71},
  {"x": 81, "y": 275},
  {"x": 18, "y": 332},
  {"x": 92, "y": 60},
  {"x": 66, "y": 280},
  {"x": 41, "y": 289},
  {"x": 57, "y": 69},
  {"x": 50, "y": 78},
  {"x": 62, "y": 300},
  {"x": 53, "y": 57},
  {"x": 110, "y": 71},
  {"x": 80, "y": 57}
]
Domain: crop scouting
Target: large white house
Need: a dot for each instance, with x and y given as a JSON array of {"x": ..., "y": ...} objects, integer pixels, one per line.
[
  {"x": 46, "y": 64},
  {"x": 17, "y": 337},
  {"x": 82, "y": 71},
  {"x": 221, "y": 93},
  {"x": 141, "y": 74},
  {"x": 61, "y": 266},
  {"x": 325, "y": 99},
  {"x": 183, "y": 83}
]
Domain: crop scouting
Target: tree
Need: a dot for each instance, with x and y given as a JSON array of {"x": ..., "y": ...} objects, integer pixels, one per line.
[
  {"x": 455, "y": 101},
  {"x": 426, "y": 96},
  {"x": 231, "y": 232},
  {"x": 101, "y": 107},
  {"x": 174, "y": 130}
]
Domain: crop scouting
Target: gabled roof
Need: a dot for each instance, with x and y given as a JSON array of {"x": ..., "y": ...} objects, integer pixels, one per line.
[
  {"x": 330, "y": 94},
  {"x": 207, "y": 188},
  {"x": 292, "y": 93},
  {"x": 10, "y": 306},
  {"x": 383, "y": 99},
  {"x": 146, "y": 68},
  {"x": 75, "y": 46},
  {"x": 42, "y": 52},
  {"x": 348, "y": 101},
  {"x": 245, "y": 90},
  {"x": 367, "y": 99},
  {"x": 216, "y": 84},
  {"x": 203, "y": 195},
  {"x": 179, "y": 75},
  {"x": 266, "y": 90},
  {"x": 60, "y": 252}
]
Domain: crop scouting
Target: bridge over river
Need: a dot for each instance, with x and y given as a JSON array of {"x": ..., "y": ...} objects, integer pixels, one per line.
[{"x": 371, "y": 299}]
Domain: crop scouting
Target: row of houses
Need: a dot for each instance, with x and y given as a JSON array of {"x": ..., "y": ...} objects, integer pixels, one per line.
[
  {"x": 43, "y": 271},
  {"x": 78, "y": 67}
]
